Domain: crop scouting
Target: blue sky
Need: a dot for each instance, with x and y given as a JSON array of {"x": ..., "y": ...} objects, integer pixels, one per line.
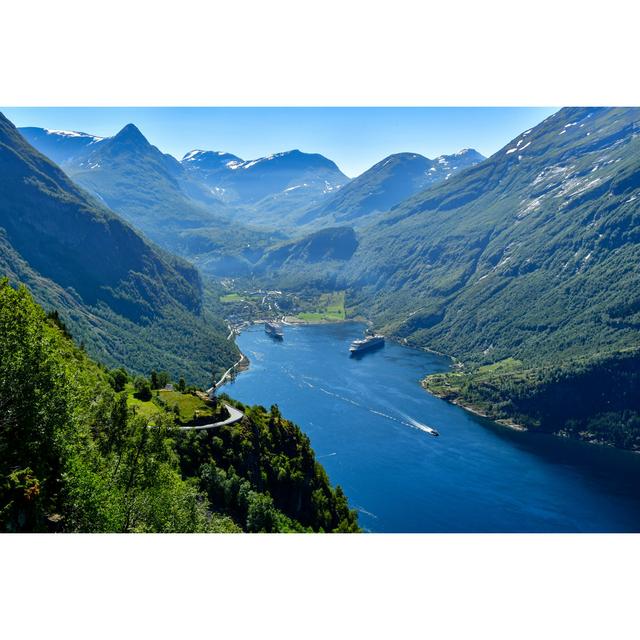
[{"x": 353, "y": 137}]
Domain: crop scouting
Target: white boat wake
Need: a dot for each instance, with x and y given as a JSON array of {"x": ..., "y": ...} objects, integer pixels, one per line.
[
  {"x": 407, "y": 422},
  {"x": 366, "y": 513}
]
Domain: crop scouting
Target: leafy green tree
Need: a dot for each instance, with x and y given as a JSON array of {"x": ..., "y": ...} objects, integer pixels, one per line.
[
  {"x": 261, "y": 513},
  {"x": 142, "y": 388},
  {"x": 119, "y": 379},
  {"x": 35, "y": 412},
  {"x": 162, "y": 380}
]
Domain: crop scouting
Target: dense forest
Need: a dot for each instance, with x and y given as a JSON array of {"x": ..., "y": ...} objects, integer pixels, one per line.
[{"x": 75, "y": 457}]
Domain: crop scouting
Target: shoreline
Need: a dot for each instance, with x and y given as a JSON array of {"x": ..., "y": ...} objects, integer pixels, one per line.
[
  {"x": 239, "y": 366},
  {"x": 293, "y": 321},
  {"x": 503, "y": 422}
]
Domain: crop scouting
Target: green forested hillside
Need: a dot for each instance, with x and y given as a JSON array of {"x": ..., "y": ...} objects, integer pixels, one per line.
[
  {"x": 309, "y": 261},
  {"x": 530, "y": 254},
  {"x": 593, "y": 398},
  {"x": 127, "y": 300},
  {"x": 263, "y": 472},
  {"x": 74, "y": 457}
]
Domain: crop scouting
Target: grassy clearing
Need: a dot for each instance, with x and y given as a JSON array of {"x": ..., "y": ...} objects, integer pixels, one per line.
[
  {"x": 451, "y": 384},
  {"x": 186, "y": 403},
  {"x": 147, "y": 409},
  {"x": 230, "y": 297},
  {"x": 507, "y": 365},
  {"x": 166, "y": 400},
  {"x": 330, "y": 307}
]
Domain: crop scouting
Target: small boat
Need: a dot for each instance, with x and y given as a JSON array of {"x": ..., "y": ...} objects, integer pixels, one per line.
[
  {"x": 274, "y": 329},
  {"x": 366, "y": 343}
]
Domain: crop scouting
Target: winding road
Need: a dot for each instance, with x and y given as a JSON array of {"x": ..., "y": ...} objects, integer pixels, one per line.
[{"x": 235, "y": 415}]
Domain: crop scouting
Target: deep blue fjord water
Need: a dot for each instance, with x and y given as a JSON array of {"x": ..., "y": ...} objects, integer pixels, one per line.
[{"x": 363, "y": 418}]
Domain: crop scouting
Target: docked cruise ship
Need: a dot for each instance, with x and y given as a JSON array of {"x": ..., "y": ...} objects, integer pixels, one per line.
[
  {"x": 366, "y": 343},
  {"x": 274, "y": 329}
]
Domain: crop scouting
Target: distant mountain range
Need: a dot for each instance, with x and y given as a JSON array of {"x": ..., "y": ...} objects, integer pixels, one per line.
[
  {"x": 131, "y": 176},
  {"x": 250, "y": 181},
  {"x": 154, "y": 192},
  {"x": 175, "y": 203},
  {"x": 129, "y": 301},
  {"x": 386, "y": 184},
  {"x": 60, "y": 146},
  {"x": 225, "y": 186}
]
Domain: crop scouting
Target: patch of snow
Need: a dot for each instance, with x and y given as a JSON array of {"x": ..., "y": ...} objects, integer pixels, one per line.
[
  {"x": 531, "y": 206},
  {"x": 71, "y": 134},
  {"x": 586, "y": 187},
  {"x": 516, "y": 148},
  {"x": 552, "y": 172},
  {"x": 251, "y": 163},
  {"x": 192, "y": 154},
  {"x": 298, "y": 186}
]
